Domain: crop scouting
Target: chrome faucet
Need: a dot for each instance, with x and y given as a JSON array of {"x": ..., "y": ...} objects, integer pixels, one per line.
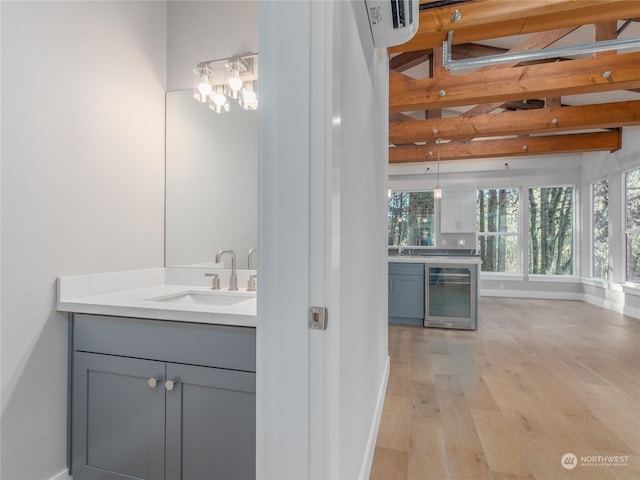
[
  {"x": 233, "y": 278},
  {"x": 251, "y": 283},
  {"x": 251, "y": 252}
]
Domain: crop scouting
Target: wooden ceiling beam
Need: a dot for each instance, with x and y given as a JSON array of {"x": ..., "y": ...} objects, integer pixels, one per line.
[
  {"x": 518, "y": 83},
  {"x": 521, "y": 122},
  {"x": 484, "y": 19},
  {"x": 404, "y": 61},
  {"x": 510, "y": 147}
]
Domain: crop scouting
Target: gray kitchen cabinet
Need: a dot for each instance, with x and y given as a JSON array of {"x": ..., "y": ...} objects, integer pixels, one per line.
[
  {"x": 406, "y": 293},
  {"x": 166, "y": 400}
]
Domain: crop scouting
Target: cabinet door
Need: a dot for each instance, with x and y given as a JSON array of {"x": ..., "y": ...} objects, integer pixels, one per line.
[
  {"x": 211, "y": 423},
  {"x": 458, "y": 210},
  {"x": 118, "y": 418},
  {"x": 406, "y": 296}
]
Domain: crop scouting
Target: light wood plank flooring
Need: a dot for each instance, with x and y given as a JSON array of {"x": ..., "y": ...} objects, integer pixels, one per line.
[{"x": 538, "y": 380}]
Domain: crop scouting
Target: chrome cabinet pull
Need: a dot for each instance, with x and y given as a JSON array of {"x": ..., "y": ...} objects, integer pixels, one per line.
[
  {"x": 152, "y": 382},
  {"x": 169, "y": 385}
]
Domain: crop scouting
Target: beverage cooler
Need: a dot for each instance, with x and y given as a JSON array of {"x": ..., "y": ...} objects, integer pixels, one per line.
[{"x": 451, "y": 295}]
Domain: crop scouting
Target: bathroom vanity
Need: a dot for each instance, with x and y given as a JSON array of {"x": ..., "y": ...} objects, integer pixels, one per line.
[{"x": 162, "y": 376}]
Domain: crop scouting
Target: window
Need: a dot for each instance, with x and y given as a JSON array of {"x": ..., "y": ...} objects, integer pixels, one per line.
[
  {"x": 411, "y": 219},
  {"x": 551, "y": 230},
  {"x": 600, "y": 229},
  {"x": 498, "y": 227},
  {"x": 632, "y": 223}
]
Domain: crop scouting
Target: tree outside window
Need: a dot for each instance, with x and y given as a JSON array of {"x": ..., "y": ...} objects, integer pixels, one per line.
[
  {"x": 632, "y": 224},
  {"x": 498, "y": 228},
  {"x": 600, "y": 229},
  {"x": 411, "y": 219},
  {"x": 551, "y": 230}
]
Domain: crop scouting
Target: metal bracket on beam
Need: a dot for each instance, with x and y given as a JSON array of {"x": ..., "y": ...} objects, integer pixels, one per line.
[{"x": 529, "y": 55}]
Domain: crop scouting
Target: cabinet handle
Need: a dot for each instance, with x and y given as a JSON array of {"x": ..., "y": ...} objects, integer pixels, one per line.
[
  {"x": 169, "y": 385},
  {"x": 152, "y": 382}
]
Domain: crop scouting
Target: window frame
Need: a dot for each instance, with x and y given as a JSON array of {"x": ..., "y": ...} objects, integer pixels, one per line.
[
  {"x": 625, "y": 266},
  {"x": 436, "y": 214},
  {"x": 517, "y": 234},
  {"x": 592, "y": 276},
  {"x": 574, "y": 224}
]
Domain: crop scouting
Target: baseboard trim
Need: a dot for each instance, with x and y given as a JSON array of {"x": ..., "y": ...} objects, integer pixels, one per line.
[
  {"x": 63, "y": 475},
  {"x": 367, "y": 462},
  {"x": 593, "y": 300},
  {"x": 489, "y": 292}
]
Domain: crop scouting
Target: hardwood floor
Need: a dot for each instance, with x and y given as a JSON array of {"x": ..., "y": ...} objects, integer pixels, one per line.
[{"x": 540, "y": 378}]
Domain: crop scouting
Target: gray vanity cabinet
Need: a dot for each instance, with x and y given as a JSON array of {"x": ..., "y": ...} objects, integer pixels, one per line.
[
  {"x": 161, "y": 400},
  {"x": 211, "y": 424},
  {"x": 118, "y": 419}
]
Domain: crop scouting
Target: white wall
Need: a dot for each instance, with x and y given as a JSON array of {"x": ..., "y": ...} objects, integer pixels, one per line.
[
  {"x": 322, "y": 143},
  {"x": 207, "y": 30},
  {"x": 363, "y": 77},
  {"x": 82, "y": 190}
]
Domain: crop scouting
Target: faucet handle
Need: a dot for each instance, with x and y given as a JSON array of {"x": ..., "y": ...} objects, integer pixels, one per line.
[
  {"x": 215, "y": 282},
  {"x": 251, "y": 284}
]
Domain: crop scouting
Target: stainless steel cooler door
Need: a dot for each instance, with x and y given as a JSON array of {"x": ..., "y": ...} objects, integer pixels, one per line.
[{"x": 450, "y": 296}]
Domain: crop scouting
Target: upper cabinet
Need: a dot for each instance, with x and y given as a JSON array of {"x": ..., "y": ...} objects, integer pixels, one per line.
[{"x": 458, "y": 210}]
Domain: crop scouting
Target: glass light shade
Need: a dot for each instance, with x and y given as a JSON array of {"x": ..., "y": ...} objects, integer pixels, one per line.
[
  {"x": 219, "y": 99},
  {"x": 234, "y": 82},
  {"x": 248, "y": 95},
  {"x": 437, "y": 193},
  {"x": 204, "y": 87}
]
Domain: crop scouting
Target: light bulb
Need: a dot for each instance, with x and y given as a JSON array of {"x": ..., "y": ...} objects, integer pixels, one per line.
[
  {"x": 204, "y": 87},
  {"x": 234, "y": 82},
  {"x": 219, "y": 99}
]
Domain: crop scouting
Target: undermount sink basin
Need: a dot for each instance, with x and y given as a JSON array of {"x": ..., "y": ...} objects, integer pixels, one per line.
[{"x": 221, "y": 298}]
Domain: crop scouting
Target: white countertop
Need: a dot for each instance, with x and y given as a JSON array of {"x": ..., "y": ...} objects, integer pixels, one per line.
[
  {"x": 140, "y": 294},
  {"x": 434, "y": 259}
]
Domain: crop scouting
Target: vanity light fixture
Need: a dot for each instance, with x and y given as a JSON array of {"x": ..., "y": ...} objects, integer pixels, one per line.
[
  {"x": 437, "y": 192},
  {"x": 232, "y": 78}
]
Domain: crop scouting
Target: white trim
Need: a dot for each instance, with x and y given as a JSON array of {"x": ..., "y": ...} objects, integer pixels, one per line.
[
  {"x": 604, "y": 303},
  {"x": 501, "y": 276},
  {"x": 367, "y": 461},
  {"x": 631, "y": 288},
  {"x": 596, "y": 282},
  {"x": 493, "y": 292},
  {"x": 554, "y": 278},
  {"x": 63, "y": 475}
]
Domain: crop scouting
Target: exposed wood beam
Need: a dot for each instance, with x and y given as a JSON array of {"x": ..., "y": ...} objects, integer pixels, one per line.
[
  {"x": 517, "y": 83},
  {"x": 606, "y": 31},
  {"x": 405, "y": 61},
  {"x": 529, "y": 104},
  {"x": 485, "y": 19},
  {"x": 399, "y": 117},
  {"x": 537, "y": 41},
  {"x": 583, "y": 117},
  {"x": 474, "y": 50},
  {"x": 511, "y": 147}
]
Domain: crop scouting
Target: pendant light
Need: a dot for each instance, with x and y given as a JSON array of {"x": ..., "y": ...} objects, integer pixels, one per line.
[{"x": 437, "y": 192}]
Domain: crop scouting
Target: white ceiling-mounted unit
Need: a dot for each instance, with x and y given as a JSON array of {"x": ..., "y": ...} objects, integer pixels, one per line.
[{"x": 393, "y": 22}]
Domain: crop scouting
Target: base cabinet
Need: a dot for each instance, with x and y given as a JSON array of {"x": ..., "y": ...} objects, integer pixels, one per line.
[
  {"x": 141, "y": 418},
  {"x": 406, "y": 293}
]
